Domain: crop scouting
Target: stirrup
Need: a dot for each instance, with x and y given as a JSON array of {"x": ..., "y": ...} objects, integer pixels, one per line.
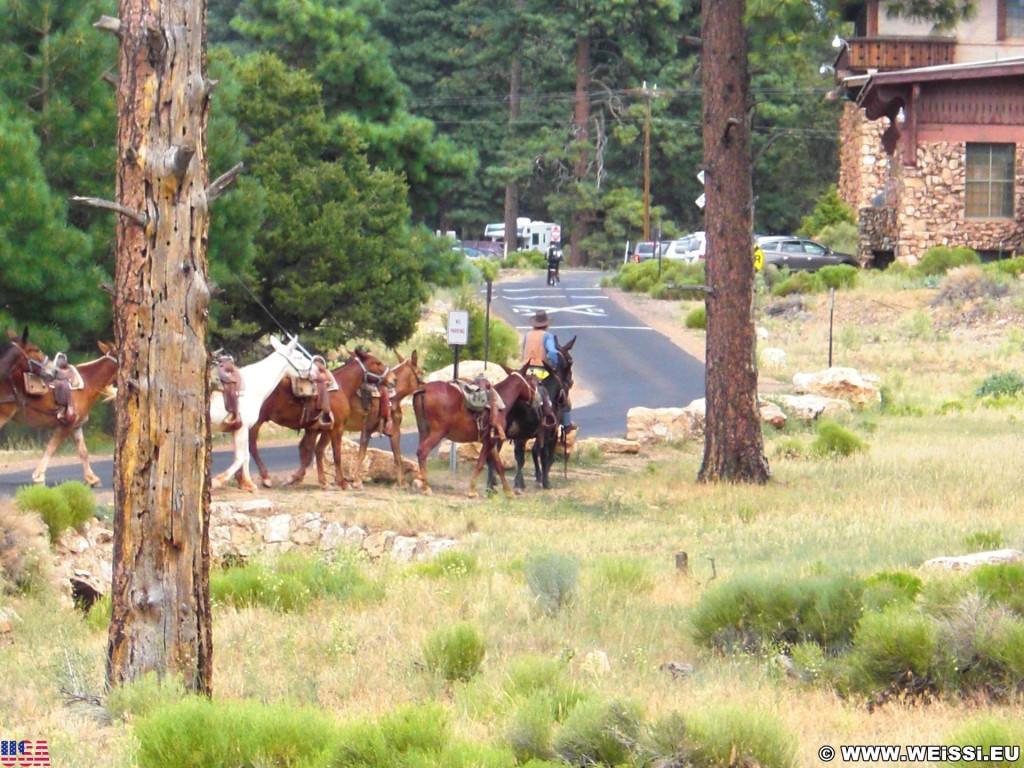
[{"x": 325, "y": 419}]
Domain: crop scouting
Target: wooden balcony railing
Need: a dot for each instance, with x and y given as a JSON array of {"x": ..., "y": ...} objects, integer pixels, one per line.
[{"x": 889, "y": 53}]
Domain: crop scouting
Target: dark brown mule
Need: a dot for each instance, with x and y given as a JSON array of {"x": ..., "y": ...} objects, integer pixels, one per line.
[
  {"x": 284, "y": 408},
  {"x": 20, "y": 356},
  {"x": 441, "y": 412},
  {"x": 408, "y": 378},
  {"x": 40, "y": 411}
]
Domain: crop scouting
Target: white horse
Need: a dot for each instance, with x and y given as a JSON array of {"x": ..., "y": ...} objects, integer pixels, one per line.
[{"x": 258, "y": 380}]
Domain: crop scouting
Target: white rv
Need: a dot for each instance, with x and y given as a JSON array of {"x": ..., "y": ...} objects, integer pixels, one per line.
[{"x": 530, "y": 236}]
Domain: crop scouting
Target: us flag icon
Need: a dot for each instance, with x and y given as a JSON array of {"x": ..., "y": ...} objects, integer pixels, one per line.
[{"x": 22, "y": 754}]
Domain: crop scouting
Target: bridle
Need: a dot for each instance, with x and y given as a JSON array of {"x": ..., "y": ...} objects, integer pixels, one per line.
[
  {"x": 369, "y": 376},
  {"x": 415, "y": 371}
]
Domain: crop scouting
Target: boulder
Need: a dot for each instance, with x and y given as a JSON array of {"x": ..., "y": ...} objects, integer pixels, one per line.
[
  {"x": 610, "y": 445},
  {"x": 653, "y": 425},
  {"x": 861, "y": 390},
  {"x": 967, "y": 562},
  {"x": 469, "y": 370},
  {"x": 772, "y": 358}
]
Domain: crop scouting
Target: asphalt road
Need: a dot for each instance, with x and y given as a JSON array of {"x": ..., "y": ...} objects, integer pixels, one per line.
[{"x": 619, "y": 360}]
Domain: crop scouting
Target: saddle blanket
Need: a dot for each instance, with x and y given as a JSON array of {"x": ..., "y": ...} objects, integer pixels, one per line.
[{"x": 476, "y": 396}]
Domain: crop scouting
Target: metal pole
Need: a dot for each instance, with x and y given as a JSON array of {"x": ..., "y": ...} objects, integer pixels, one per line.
[
  {"x": 831, "y": 312},
  {"x": 487, "y": 325},
  {"x": 455, "y": 377}
]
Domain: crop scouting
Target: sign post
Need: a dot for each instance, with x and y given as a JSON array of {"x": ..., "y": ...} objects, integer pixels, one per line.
[{"x": 458, "y": 337}]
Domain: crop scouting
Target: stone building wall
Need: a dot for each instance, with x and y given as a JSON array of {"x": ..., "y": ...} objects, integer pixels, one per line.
[{"x": 908, "y": 209}]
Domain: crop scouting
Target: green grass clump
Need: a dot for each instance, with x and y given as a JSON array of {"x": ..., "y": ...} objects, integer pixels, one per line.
[
  {"x": 697, "y": 319},
  {"x": 797, "y": 282},
  {"x": 455, "y": 653},
  {"x": 600, "y": 733},
  {"x": 989, "y": 731},
  {"x": 835, "y": 440},
  {"x": 983, "y": 541},
  {"x": 622, "y": 573},
  {"x": 199, "y": 733},
  {"x": 144, "y": 696},
  {"x": 893, "y": 650},
  {"x": 530, "y": 732},
  {"x": 61, "y": 508},
  {"x": 939, "y": 259},
  {"x": 1005, "y": 384},
  {"x": 891, "y": 588},
  {"x": 552, "y": 578},
  {"x": 292, "y": 582},
  {"x": 753, "y": 612}
]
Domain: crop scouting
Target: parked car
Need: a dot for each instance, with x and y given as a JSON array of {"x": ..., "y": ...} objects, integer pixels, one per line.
[
  {"x": 799, "y": 254},
  {"x": 691, "y": 249},
  {"x": 646, "y": 250}
]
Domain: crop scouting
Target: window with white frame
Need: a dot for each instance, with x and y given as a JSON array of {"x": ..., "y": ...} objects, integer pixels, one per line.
[{"x": 990, "y": 181}]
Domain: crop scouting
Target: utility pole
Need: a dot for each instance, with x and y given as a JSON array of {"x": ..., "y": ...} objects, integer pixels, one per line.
[{"x": 647, "y": 94}]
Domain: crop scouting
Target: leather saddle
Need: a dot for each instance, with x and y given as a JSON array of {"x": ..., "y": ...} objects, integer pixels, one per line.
[{"x": 37, "y": 386}]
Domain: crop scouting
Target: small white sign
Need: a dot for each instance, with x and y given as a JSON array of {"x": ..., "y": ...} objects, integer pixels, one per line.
[
  {"x": 458, "y": 327},
  {"x": 700, "y": 201},
  {"x": 556, "y": 234},
  {"x": 700, "y": 176}
]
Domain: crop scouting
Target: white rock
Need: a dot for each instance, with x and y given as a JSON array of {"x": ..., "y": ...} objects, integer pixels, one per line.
[{"x": 966, "y": 562}]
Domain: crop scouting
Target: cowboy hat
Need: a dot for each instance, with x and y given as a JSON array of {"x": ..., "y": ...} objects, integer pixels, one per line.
[{"x": 540, "y": 320}]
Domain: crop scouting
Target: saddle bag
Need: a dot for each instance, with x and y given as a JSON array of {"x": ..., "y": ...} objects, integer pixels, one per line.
[
  {"x": 303, "y": 387},
  {"x": 35, "y": 386}
]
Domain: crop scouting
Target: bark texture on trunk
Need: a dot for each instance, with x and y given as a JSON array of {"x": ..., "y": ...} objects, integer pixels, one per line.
[
  {"x": 733, "y": 445},
  {"x": 161, "y": 598},
  {"x": 515, "y": 88}
]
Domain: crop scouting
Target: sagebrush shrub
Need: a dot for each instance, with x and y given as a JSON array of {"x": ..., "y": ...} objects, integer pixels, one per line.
[
  {"x": 752, "y": 612},
  {"x": 81, "y": 501},
  {"x": 981, "y": 650},
  {"x": 600, "y": 733},
  {"x": 893, "y": 650},
  {"x": 1003, "y": 583},
  {"x": 835, "y": 440},
  {"x": 530, "y": 731},
  {"x": 970, "y": 282},
  {"x": 552, "y": 577},
  {"x": 891, "y": 588},
  {"x": 623, "y": 573},
  {"x": 456, "y": 652},
  {"x": 727, "y": 735}
]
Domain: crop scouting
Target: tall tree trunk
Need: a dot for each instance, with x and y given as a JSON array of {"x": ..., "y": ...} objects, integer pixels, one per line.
[
  {"x": 581, "y": 130},
  {"x": 515, "y": 87},
  {"x": 733, "y": 446},
  {"x": 161, "y": 592}
]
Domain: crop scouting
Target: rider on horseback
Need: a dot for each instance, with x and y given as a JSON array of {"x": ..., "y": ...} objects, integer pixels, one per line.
[{"x": 539, "y": 345}]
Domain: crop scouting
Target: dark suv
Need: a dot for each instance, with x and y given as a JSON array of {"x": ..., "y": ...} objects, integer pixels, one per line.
[{"x": 645, "y": 251}]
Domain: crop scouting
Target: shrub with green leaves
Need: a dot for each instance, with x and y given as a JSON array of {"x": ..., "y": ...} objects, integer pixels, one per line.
[
  {"x": 531, "y": 729},
  {"x": 552, "y": 578},
  {"x": 600, "y": 733},
  {"x": 891, "y": 588},
  {"x": 141, "y": 697},
  {"x": 1005, "y": 384},
  {"x": 451, "y": 564},
  {"x": 839, "y": 276},
  {"x": 68, "y": 505},
  {"x": 752, "y": 612},
  {"x": 547, "y": 678},
  {"x": 941, "y": 258},
  {"x": 988, "y": 730},
  {"x": 697, "y": 319},
  {"x": 980, "y": 650},
  {"x": 798, "y": 282},
  {"x": 893, "y": 650},
  {"x": 504, "y": 339},
  {"x": 456, "y": 652},
  {"x": 835, "y": 440}
]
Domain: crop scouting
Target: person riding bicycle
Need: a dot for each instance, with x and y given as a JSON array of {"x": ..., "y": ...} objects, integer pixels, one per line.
[{"x": 554, "y": 256}]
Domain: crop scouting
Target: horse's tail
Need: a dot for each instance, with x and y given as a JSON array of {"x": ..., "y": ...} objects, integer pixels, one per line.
[{"x": 419, "y": 408}]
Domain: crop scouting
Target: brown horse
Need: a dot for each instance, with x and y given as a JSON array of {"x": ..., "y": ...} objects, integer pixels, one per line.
[
  {"x": 408, "y": 378},
  {"x": 441, "y": 412},
  {"x": 284, "y": 408},
  {"x": 40, "y": 411}
]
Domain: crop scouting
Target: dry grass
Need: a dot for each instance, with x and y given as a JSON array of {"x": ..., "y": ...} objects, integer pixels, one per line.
[{"x": 929, "y": 480}]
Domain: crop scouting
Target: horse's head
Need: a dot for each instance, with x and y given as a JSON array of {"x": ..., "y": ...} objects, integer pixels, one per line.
[
  {"x": 408, "y": 374},
  {"x": 564, "y": 369},
  {"x": 374, "y": 369},
  {"x": 297, "y": 357}
]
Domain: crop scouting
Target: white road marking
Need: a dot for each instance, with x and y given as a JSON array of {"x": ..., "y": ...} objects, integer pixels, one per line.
[{"x": 561, "y": 327}]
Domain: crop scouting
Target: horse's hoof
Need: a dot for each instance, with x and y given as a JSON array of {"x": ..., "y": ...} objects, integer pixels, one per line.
[
  {"x": 517, "y": 492},
  {"x": 39, "y": 479},
  {"x": 472, "y": 494},
  {"x": 356, "y": 484},
  {"x": 94, "y": 483},
  {"x": 266, "y": 483}
]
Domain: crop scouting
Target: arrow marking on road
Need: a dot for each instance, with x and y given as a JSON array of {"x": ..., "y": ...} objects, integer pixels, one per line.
[{"x": 589, "y": 310}]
